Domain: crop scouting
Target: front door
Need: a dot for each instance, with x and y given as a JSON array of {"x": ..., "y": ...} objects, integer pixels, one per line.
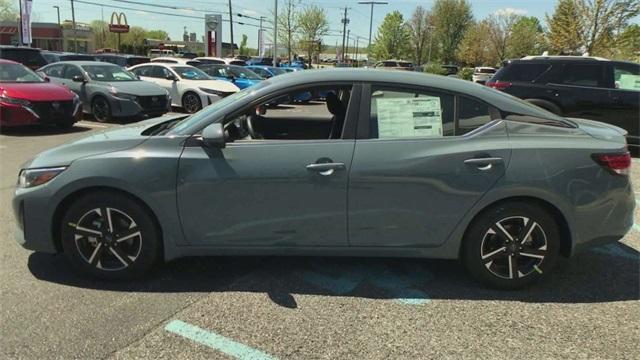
[
  {"x": 419, "y": 166},
  {"x": 276, "y": 188}
]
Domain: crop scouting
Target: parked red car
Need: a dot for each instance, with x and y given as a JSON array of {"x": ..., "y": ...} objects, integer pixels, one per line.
[{"x": 26, "y": 98}]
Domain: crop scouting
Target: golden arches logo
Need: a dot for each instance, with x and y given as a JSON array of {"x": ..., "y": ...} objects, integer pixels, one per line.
[{"x": 119, "y": 18}]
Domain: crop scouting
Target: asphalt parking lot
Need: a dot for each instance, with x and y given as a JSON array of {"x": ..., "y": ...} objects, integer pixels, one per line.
[{"x": 306, "y": 308}]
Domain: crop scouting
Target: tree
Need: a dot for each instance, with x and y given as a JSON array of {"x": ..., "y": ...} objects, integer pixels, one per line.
[
  {"x": 313, "y": 25},
  {"x": 628, "y": 44},
  {"x": 158, "y": 35},
  {"x": 288, "y": 24},
  {"x": 604, "y": 20},
  {"x": 243, "y": 45},
  {"x": 475, "y": 48},
  {"x": 500, "y": 30},
  {"x": 420, "y": 31},
  {"x": 393, "y": 38},
  {"x": 452, "y": 19},
  {"x": 8, "y": 11},
  {"x": 526, "y": 38},
  {"x": 565, "y": 28}
]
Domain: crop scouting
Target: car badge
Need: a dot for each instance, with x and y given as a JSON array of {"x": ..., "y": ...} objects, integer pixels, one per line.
[
  {"x": 55, "y": 105},
  {"x": 154, "y": 99}
]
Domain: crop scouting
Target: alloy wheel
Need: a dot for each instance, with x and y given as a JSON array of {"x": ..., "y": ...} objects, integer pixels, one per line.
[
  {"x": 191, "y": 103},
  {"x": 514, "y": 247},
  {"x": 107, "y": 239},
  {"x": 101, "y": 110}
]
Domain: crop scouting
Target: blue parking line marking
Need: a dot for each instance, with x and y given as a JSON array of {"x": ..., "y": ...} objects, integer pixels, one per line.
[{"x": 217, "y": 342}]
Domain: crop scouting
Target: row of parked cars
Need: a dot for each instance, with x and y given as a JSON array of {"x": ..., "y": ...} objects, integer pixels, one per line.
[{"x": 117, "y": 86}]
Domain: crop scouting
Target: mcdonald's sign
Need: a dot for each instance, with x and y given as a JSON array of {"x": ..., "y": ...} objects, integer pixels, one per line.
[{"x": 118, "y": 23}]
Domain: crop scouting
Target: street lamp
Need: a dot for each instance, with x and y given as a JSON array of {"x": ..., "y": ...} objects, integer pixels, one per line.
[
  {"x": 372, "y": 3},
  {"x": 58, "y": 10}
]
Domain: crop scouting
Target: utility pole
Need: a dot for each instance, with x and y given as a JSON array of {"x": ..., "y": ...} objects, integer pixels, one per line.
[
  {"x": 357, "y": 44},
  {"x": 20, "y": 42},
  {"x": 346, "y": 51},
  {"x": 372, "y": 3},
  {"x": 58, "y": 10},
  {"x": 345, "y": 21},
  {"x": 73, "y": 22},
  {"x": 231, "y": 24},
  {"x": 275, "y": 33}
]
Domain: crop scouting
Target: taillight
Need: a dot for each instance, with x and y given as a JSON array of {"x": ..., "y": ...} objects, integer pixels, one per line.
[
  {"x": 498, "y": 85},
  {"x": 616, "y": 163}
]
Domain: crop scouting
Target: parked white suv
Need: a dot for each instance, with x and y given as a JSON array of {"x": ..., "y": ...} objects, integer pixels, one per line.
[
  {"x": 482, "y": 74},
  {"x": 190, "y": 88}
]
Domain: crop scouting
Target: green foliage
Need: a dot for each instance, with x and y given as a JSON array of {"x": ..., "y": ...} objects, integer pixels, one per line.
[
  {"x": 392, "y": 39},
  {"x": 421, "y": 33},
  {"x": 243, "y": 45},
  {"x": 8, "y": 11},
  {"x": 565, "y": 28},
  {"x": 313, "y": 26},
  {"x": 466, "y": 73},
  {"x": 435, "y": 69},
  {"x": 452, "y": 18},
  {"x": 288, "y": 25},
  {"x": 527, "y": 38},
  {"x": 475, "y": 48},
  {"x": 628, "y": 44},
  {"x": 158, "y": 35}
]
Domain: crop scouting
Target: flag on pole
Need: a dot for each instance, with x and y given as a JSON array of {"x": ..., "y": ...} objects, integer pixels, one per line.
[{"x": 25, "y": 26}]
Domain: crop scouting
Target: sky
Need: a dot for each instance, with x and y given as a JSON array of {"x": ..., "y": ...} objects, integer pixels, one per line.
[{"x": 141, "y": 15}]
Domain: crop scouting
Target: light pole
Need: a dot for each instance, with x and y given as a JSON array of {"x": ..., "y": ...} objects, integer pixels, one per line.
[
  {"x": 431, "y": 28},
  {"x": 58, "y": 10},
  {"x": 372, "y": 3},
  {"x": 275, "y": 33},
  {"x": 231, "y": 24},
  {"x": 75, "y": 33}
]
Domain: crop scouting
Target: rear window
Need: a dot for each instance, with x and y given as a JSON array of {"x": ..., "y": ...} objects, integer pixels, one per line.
[
  {"x": 485, "y": 71},
  {"x": 132, "y": 61},
  {"x": 521, "y": 72},
  {"x": 31, "y": 58}
]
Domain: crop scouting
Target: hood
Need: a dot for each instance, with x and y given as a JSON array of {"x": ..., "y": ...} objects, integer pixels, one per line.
[
  {"x": 218, "y": 85},
  {"x": 37, "y": 91},
  {"x": 114, "y": 139},
  {"x": 600, "y": 130},
  {"x": 138, "y": 88}
]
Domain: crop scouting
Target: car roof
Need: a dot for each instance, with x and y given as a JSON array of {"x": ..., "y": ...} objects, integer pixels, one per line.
[
  {"x": 83, "y": 62},
  {"x": 22, "y": 48},
  {"x": 5, "y": 61}
]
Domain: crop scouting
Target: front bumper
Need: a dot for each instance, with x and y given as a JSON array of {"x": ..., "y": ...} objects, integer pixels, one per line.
[
  {"x": 18, "y": 115},
  {"x": 140, "y": 108},
  {"x": 33, "y": 214}
]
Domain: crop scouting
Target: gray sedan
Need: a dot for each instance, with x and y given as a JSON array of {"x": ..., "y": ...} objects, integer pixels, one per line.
[
  {"x": 109, "y": 91},
  {"x": 392, "y": 164}
]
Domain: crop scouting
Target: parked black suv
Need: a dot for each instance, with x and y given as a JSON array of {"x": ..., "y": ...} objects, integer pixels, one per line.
[
  {"x": 581, "y": 87},
  {"x": 29, "y": 57}
]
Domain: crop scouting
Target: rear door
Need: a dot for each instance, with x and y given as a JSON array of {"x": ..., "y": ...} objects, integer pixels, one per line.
[
  {"x": 422, "y": 159},
  {"x": 625, "y": 100}
]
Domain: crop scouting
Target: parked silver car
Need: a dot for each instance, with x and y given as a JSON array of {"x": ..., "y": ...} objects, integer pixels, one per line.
[
  {"x": 393, "y": 164},
  {"x": 109, "y": 91}
]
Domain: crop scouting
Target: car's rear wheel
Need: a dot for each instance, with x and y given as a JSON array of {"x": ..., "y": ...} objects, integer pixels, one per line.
[
  {"x": 101, "y": 109},
  {"x": 109, "y": 235},
  {"x": 511, "y": 245},
  {"x": 191, "y": 103}
]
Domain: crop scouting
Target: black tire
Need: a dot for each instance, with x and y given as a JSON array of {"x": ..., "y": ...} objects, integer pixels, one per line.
[
  {"x": 101, "y": 109},
  {"x": 191, "y": 102},
  {"x": 105, "y": 256},
  {"x": 547, "y": 105},
  {"x": 495, "y": 260}
]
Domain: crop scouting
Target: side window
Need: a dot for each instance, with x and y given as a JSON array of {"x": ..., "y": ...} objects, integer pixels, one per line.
[
  {"x": 471, "y": 115},
  {"x": 410, "y": 114},
  {"x": 54, "y": 71},
  {"x": 627, "y": 76},
  {"x": 159, "y": 72},
  {"x": 583, "y": 75},
  {"x": 70, "y": 71},
  {"x": 261, "y": 72},
  {"x": 143, "y": 71}
]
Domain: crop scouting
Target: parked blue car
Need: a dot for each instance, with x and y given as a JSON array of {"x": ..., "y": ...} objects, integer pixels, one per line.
[
  {"x": 271, "y": 71},
  {"x": 239, "y": 75}
]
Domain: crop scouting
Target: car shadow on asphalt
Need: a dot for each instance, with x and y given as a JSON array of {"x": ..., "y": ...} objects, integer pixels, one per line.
[
  {"x": 604, "y": 274},
  {"x": 40, "y": 130}
]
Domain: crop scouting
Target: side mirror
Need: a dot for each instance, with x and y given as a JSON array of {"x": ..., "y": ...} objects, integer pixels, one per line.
[
  {"x": 78, "y": 78},
  {"x": 43, "y": 76},
  {"x": 171, "y": 77},
  {"x": 213, "y": 135}
]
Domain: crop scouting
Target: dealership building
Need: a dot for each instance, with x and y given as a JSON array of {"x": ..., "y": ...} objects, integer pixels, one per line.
[{"x": 51, "y": 36}]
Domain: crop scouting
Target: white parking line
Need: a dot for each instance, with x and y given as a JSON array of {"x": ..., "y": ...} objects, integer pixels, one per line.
[{"x": 92, "y": 125}]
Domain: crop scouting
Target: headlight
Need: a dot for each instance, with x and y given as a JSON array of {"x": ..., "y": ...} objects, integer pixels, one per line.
[
  {"x": 213, "y": 92},
  {"x": 14, "y": 101},
  {"x": 34, "y": 177},
  {"x": 127, "y": 97}
]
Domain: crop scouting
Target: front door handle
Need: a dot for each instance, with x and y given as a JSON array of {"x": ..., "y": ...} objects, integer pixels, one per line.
[
  {"x": 484, "y": 164},
  {"x": 325, "y": 169}
]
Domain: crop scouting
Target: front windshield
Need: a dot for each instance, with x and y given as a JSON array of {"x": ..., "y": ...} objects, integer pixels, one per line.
[
  {"x": 191, "y": 73},
  {"x": 277, "y": 71},
  {"x": 108, "y": 73},
  {"x": 182, "y": 127},
  {"x": 17, "y": 73},
  {"x": 243, "y": 73}
]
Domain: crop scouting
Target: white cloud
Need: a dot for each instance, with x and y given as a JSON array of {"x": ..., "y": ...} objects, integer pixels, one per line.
[{"x": 510, "y": 11}]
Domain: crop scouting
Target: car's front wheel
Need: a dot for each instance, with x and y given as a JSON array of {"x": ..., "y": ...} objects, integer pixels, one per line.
[
  {"x": 109, "y": 235},
  {"x": 511, "y": 245},
  {"x": 191, "y": 103},
  {"x": 101, "y": 109}
]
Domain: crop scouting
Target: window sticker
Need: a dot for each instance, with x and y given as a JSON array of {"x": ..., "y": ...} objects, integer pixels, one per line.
[
  {"x": 409, "y": 117},
  {"x": 628, "y": 82}
]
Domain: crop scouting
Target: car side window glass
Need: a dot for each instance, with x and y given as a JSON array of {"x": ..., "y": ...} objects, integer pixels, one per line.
[
  {"x": 398, "y": 114},
  {"x": 472, "y": 114},
  {"x": 70, "y": 71},
  {"x": 54, "y": 71},
  {"x": 627, "y": 76},
  {"x": 583, "y": 75}
]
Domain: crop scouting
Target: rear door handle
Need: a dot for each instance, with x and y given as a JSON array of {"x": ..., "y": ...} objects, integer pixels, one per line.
[
  {"x": 325, "y": 169},
  {"x": 484, "y": 163}
]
